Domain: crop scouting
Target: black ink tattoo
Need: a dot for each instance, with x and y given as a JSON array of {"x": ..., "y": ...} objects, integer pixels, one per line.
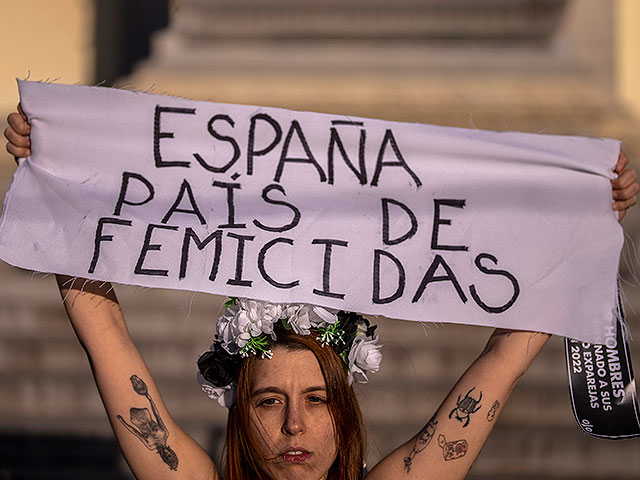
[
  {"x": 491, "y": 414},
  {"x": 452, "y": 450},
  {"x": 422, "y": 440},
  {"x": 465, "y": 407},
  {"x": 153, "y": 434}
]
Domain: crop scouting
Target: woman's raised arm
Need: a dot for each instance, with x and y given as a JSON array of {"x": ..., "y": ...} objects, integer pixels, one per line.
[
  {"x": 452, "y": 439},
  {"x": 153, "y": 445}
]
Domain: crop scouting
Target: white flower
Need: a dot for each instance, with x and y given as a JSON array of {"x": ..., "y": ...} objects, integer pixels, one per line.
[
  {"x": 323, "y": 316},
  {"x": 271, "y": 313},
  {"x": 297, "y": 316},
  {"x": 364, "y": 357},
  {"x": 258, "y": 317},
  {"x": 246, "y": 319},
  {"x": 226, "y": 396},
  {"x": 227, "y": 331}
]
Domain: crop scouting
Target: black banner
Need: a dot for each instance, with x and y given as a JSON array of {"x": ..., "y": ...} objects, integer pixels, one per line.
[{"x": 602, "y": 386}]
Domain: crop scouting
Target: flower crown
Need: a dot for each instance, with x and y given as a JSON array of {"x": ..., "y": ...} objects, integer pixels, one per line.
[{"x": 246, "y": 325}]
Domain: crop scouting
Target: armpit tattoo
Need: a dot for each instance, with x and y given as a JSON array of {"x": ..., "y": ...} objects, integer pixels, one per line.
[
  {"x": 491, "y": 414},
  {"x": 465, "y": 407},
  {"x": 153, "y": 434},
  {"x": 452, "y": 450},
  {"x": 422, "y": 440}
]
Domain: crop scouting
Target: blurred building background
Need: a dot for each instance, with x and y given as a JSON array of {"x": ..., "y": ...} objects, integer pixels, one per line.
[{"x": 552, "y": 66}]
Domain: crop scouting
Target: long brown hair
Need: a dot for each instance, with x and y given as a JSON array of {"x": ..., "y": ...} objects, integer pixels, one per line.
[{"x": 241, "y": 460}]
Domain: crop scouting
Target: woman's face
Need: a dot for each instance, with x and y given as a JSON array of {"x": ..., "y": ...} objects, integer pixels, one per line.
[{"x": 290, "y": 420}]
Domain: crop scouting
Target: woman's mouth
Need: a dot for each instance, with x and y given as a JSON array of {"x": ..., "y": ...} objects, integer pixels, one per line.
[{"x": 295, "y": 455}]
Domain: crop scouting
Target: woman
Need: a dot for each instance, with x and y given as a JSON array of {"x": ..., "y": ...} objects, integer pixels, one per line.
[{"x": 293, "y": 413}]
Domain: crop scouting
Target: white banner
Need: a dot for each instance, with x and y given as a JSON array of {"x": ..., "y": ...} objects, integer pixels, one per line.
[{"x": 409, "y": 221}]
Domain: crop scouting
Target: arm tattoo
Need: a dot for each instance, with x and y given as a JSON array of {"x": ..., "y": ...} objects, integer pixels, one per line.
[
  {"x": 466, "y": 406},
  {"x": 422, "y": 440},
  {"x": 452, "y": 450},
  {"x": 491, "y": 414},
  {"x": 152, "y": 434}
]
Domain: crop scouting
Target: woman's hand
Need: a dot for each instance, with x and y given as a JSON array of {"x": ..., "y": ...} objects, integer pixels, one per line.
[
  {"x": 17, "y": 134},
  {"x": 625, "y": 187}
]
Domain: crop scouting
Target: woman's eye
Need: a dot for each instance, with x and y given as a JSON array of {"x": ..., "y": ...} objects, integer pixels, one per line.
[
  {"x": 316, "y": 399},
  {"x": 268, "y": 402}
]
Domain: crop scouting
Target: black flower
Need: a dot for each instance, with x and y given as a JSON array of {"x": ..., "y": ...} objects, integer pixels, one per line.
[
  {"x": 349, "y": 322},
  {"x": 218, "y": 366}
]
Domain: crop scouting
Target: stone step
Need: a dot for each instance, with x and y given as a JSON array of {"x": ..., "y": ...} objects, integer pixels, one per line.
[
  {"x": 62, "y": 397},
  {"x": 401, "y": 367},
  {"x": 66, "y": 473},
  {"x": 63, "y": 457},
  {"x": 557, "y": 452},
  {"x": 373, "y": 19},
  {"x": 25, "y": 363},
  {"x": 169, "y": 322}
]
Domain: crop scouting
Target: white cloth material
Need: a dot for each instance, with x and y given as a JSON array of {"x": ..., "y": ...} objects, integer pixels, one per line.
[{"x": 420, "y": 223}]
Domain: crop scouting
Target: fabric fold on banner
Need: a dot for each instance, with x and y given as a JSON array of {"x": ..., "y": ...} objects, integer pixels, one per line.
[{"x": 408, "y": 221}]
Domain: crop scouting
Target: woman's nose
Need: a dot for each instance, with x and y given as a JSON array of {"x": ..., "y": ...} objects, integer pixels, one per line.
[{"x": 293, "y": 422}]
